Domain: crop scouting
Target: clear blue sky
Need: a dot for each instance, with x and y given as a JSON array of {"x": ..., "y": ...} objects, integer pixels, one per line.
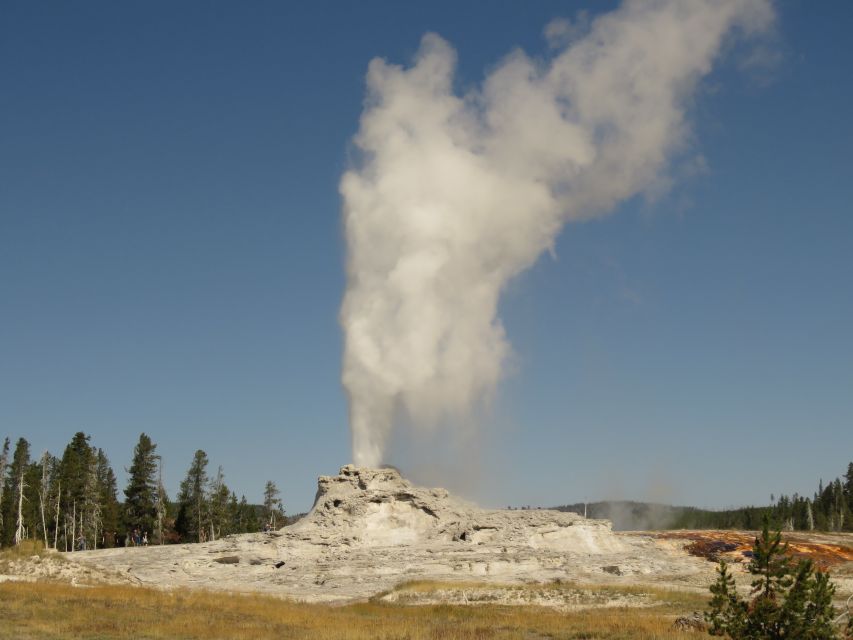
[{"x": 171, "y": 258}]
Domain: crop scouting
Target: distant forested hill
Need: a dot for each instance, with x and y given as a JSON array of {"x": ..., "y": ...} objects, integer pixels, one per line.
[{"x": 830, "y": 508}]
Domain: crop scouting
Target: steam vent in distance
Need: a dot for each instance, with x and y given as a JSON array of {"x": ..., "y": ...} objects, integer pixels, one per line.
[{"x": 371, "y": 530}]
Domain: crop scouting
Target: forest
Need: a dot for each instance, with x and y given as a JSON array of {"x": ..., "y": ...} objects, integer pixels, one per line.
[
  {"x": 72, "y": 502},
  {"x": 829, "y": 508}
]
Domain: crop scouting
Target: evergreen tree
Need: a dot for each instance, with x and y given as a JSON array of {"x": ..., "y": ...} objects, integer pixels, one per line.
[
  {"x": 218, "y": 515},
  {"x": 807, "y": 612},
  {"x": 44, "y": 486},
  {"x": 787, "y": 601},
  {"x": 164, "y": 524},
  {"x": 772, "y": 568},
  {"x": 140, "y": 509},
  {"x": 234, "y": 524},
  {"x": 15, "y": 522},
  {"x": 91, "y": 513},
  {"x": 728, "y": 614},
  {"x": 770, "y": 563},
  {"x": 110, "y": 507},
  {"x": 4, "y": 462},
  {"x": 840, "y": 507},
  {"x": 192, "y": 498},
  {"x": 273, "y": 506},
  {"x": 74, "y": 469},
  {"x": 848, "y": 495},
  {"x": 30, "y": 506},
  {"x": 245, "y": 516}
]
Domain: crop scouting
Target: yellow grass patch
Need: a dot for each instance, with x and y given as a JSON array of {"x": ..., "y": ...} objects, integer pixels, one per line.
[
  {"x": 39, "y": 610},
  {"x": 658, "y": 594}
]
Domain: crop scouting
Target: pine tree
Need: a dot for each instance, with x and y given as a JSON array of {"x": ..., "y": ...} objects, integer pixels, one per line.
[
  {"x": 192, "y": 514},
  {"x": 273, "y": 506},
  {"x": 848, "y": 496},
  {"x": 44, "y": 495},
  {"x": 770, "y": 562},
  {"x": 808, "y": 612},
  {"x": 32, "y": 516},
  {"x": 16, "y": 484},
  {"x": 787, "y": 601},
  {"x": 73, "y": 473},
  {"x": 728, "y": 614},
  {"x": 140, "y": 509},
  {"x": 218, "y": 505},
  {"x": 50, "y": 494},
  {"x": 234, "y": 523},
  {"x": 246, "y": 517},
  {"x": 91, "y": 514},
  {"x": 110, "y": 507},
  {"x": 162, "y": 505},
  {"x": 4, "y": 462}
]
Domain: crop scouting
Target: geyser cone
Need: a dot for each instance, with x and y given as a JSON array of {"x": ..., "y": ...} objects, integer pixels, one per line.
[{"x": 378, "y": 507}]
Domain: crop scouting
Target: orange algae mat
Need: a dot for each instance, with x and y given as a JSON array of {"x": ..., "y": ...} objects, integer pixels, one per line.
[{"x": 736, "y": 546}]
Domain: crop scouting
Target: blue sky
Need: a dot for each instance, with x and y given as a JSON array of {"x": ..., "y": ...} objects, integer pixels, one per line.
[{"x": 171, "y": 258}]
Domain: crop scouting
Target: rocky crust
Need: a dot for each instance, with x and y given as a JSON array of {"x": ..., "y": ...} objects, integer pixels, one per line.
[
  {"x": 371, "y": 530},
  {"x": 379, "y": 508}
]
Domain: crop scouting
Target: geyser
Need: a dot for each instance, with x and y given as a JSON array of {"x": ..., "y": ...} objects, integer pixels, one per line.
[{"x": 455, "y": 194}]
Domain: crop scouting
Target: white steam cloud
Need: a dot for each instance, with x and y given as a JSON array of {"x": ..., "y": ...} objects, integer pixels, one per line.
[{"x": 454, "y": 195}]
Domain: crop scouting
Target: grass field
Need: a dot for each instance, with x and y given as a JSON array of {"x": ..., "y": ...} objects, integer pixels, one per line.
[{"x": 48, "y": 611}]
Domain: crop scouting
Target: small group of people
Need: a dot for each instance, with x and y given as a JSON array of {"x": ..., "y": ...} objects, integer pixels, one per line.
[{"x": 136, "y": 539}]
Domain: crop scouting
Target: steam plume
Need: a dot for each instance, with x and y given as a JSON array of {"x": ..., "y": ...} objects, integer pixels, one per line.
[{"x": 454, "y": 195}]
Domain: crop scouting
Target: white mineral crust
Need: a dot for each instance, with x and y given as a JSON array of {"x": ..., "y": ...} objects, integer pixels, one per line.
[{"x": 370, "y": 530}]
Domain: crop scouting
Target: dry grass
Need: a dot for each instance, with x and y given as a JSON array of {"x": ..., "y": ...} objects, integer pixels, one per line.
[
  {"x": 657, "y": 594},
  {"x": 39, "y": 610},
  {"x": 27, "y": 549}
]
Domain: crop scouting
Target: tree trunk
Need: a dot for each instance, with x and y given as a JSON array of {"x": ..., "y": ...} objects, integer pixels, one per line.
[
  {"x": 56, "y": 520},
  {"x": 19, "y": 530},
  {"x": 160, "y": 506},
  {"x": 43, "y": 522},
  {"x": 3, "y": 462},
  {"x": 42, "y": 492}
]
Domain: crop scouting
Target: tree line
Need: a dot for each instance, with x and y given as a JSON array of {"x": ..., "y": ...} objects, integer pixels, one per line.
[
  {"x": 830, "y": 508},
  {"x": 71, "y": 502}
]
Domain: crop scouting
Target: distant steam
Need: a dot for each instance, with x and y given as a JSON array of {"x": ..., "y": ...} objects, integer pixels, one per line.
[{"x": 454, "y": 195}]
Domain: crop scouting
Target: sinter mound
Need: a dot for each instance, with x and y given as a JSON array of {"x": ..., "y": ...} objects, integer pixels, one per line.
[
  {"x": 370, "y": 529},
  {"x": 378, "y": 508}
]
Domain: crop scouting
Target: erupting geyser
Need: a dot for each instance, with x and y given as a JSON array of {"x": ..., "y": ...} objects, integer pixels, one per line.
[{"x": 455, "y": 194}]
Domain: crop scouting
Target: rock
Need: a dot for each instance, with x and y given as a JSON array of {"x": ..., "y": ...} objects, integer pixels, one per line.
[
  {"x": 379, "y": 508},
  {"x": 694, "y": 622},
  {"x": 227, "y": 560},
  {"x": 371, "y": 529}
]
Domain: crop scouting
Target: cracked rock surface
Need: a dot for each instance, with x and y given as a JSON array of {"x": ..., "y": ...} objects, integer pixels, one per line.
[{"x": 370, "y": 530}]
